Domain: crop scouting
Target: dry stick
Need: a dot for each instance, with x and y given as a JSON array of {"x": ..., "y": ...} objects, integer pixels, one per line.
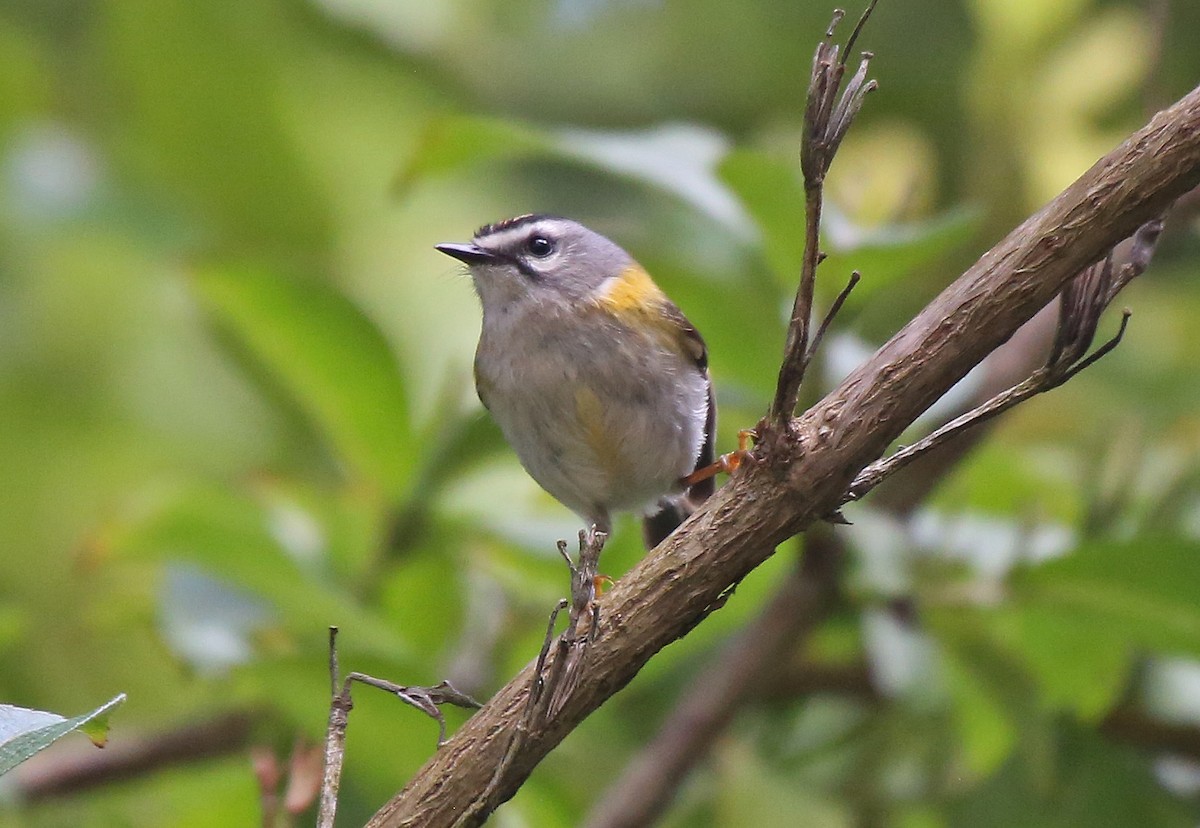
[
  {"x": 855, "y": 276},
  {"x": 768, "y": 502},
  {"x": 425, "y": 699},
  {"x": 335, "y": 738}
]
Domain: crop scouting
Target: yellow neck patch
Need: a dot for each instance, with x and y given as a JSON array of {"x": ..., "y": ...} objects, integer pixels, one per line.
[{"x": 631, "y": 292}]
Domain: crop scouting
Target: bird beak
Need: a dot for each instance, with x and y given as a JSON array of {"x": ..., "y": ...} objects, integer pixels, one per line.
[{"x": 467, "y": 253}]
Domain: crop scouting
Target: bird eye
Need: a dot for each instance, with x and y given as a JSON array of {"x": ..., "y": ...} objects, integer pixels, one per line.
[{"x": 540, "y": 246}]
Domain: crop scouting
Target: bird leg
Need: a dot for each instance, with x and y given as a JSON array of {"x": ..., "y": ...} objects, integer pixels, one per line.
[{"x": 726, "y": 463}]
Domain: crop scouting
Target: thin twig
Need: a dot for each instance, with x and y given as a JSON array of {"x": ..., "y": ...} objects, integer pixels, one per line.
[
  {"x": 834, "y": 309},
  {"x": 880, "y": 470},
  {"x": 425, "y": 699},
  {"x": 858, "y": 27},
  {"x": 335, "y": 738}
]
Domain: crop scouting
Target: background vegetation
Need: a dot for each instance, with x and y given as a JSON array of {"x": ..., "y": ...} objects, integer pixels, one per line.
[{"x": 235, "y": 400}]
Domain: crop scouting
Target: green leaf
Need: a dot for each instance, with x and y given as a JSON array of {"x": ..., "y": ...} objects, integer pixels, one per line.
[
  {"x": 329, "y": 356},
  {"x": 772, "y": 190},
  {"x": 24, "y": 732},
  {"x": 452, "y": 142},
  {"x": 1141, "y": 593},
  {"x": 678, "y": 159},
  {"x": 885, "y": 255},
  {"x": 996, "y": 700},
  {"x": 987, "y": 733},
  {"x": 236, "y": 539},
  {"x": 1080, "y": 663}
]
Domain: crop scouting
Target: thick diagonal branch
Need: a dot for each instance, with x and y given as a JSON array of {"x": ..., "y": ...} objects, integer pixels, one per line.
[{"x": 805, "y": 477}]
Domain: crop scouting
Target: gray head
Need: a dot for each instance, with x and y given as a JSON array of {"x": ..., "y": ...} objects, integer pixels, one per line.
[{"x": 547, "y": 259}]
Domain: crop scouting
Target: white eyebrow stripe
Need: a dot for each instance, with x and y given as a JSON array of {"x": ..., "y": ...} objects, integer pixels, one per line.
[{"x": 508, "y": 235}]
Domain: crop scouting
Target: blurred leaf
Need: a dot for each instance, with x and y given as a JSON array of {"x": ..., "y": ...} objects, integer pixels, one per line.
[
  {"x": 887, "y": 254},
  {"x": 772, "y": 190},
  {"x": 25, "y": 83},
  {"x": 986, "y": 732},
  {"x": 199, "y": 92},
  {"x": 1081, "y": 663},
  {"x": 329, "y": 356},
  {"x": 995, "y": 699},
  {"x": 680, "y": 159},
  {"x": 229, "y": 536},
  {"x": 453, "y": 142},
  {"x": 750, "y": 793},
  {"x": 24, "y": 732},
  {"x": 1141, "y": 592},
  {"x": 1003, "y": 477},
  {"x": 1093, "y": 783},
  {"x": 422, "y": 598}
]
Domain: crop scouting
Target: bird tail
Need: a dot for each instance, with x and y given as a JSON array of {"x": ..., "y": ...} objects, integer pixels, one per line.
[{"x": 672, "y": 510}]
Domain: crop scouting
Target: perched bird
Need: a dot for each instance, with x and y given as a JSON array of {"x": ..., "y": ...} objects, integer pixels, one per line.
[{"x": 596, "y": 378}]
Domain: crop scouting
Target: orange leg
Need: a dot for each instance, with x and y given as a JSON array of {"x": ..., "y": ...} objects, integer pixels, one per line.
[
  {"x": 602, "y": 584},
  {"x": 727, "y": 463}
]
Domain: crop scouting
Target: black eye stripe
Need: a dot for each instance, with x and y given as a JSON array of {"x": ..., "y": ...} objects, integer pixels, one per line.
[{"x": 527, "y": 271}]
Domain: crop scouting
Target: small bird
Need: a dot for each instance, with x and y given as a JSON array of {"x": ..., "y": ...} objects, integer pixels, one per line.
[{"x": 595, "y": 377}]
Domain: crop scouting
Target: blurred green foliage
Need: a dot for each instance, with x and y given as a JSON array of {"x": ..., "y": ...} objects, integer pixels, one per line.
[{"x": 235, "y": 401}]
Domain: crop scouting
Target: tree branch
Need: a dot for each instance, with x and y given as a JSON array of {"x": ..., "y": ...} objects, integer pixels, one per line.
[{"x": 805, "y": 474}]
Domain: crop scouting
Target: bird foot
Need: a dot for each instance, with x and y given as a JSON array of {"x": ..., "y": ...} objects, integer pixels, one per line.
[{"x": 726, "y": 463}]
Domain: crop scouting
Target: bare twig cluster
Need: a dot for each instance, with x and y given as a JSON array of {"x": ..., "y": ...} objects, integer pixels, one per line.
[
  {"x": 827, "y": 118},
  {"x": 748, "y": 669}
]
